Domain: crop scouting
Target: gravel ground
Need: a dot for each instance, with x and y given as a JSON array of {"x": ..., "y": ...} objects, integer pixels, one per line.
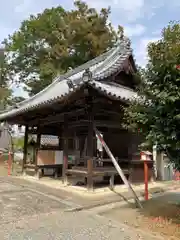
[
  {"x": 16, "y": 202},
  {"x": 67, "y": 226},
  {"x": 29, "y": 214}
]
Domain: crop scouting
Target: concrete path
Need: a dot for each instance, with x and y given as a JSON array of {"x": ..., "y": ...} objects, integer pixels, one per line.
[{"x": 28, "y": 212}]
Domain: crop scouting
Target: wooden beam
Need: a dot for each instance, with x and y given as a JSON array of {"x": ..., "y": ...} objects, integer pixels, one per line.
[
  {"x": 38, "y": 144},
  {"x": 53, "y": 129},
  {"x": 25, "y": 150},
  {"x": 56, "y": 118},
  {"x": 83, "y": 123},
  {"x": 59, "y": 117},
  {"x": 116, "y": 113},
  {"x": 48, "y": 130}
]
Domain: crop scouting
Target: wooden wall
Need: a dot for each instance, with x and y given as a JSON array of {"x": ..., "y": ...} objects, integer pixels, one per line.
[
  {"x": 46, "y": 157},
  {"x": 122, "y": 144}
]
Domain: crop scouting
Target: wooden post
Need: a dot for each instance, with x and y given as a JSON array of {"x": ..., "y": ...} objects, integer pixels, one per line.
[
  {"x": 116, "y": 165},
  {"x": 60, "y": 142},
  {"x": 60, "y": 145},
  {"x": 65, "y": 150},
  {"x": 90, "y": 151},
  {"x": 25, "y": 150},
  {"x": 38, "y": 144},
  {"x": 76, "y": 146},
  {"x": 60, "y": 136},
  {"x": 111, "y": 182}
]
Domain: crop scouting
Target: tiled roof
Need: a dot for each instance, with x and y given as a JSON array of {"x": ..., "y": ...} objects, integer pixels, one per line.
[
  {"x": 101, "y": 67},
  {"x": 114, "y": 91}
]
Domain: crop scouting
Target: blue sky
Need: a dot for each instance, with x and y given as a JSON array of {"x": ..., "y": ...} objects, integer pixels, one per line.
[{"x": 141, "y": 19}]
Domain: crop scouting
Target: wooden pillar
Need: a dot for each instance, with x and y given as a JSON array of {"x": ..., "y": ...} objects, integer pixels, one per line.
[
  {"x": 76, "y": 147},
  {"x": 60, "y": 135},
  {"x": 60, "y": 142},
  {"x": 90, "y": 150},
  {"x": 38, "y": 144},
  {"x": 25, "y": 150},
  {"x": 58, "y": 171},
  {"x": 65, "y": 150}
]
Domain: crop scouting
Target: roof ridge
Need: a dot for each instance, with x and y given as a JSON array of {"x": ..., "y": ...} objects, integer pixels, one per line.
[
  {"x": 65, "y": 76},
  {"x": 88, "y": 63},
  {"x": 126, "y": 51},
  {"x": 120, "y": 42},
  {"x": 101, "y": 66}
]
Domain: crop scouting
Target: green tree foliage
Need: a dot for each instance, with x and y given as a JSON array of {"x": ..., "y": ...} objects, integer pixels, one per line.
[
  {"x": 18, "y": 143},
  {"x": 5, "y": 92},
  {"x": 156, "y": 113},
  {"x": 16, "y": 99},
  {"x": 56, "y": 40}
]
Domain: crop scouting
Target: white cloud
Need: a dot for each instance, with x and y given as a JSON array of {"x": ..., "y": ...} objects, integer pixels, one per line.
[
  {"x": 131, "y": 9},
  {"x": 27, "y": 7},
  {"x": 141, "y": 50},
  {"x": 128, "y": 10},
  {"x": 20, "y": 92},
  {"x": 23, "y": 6},
  {"x": 134, "y": 30},
  {"x": 157, "y": 32}
]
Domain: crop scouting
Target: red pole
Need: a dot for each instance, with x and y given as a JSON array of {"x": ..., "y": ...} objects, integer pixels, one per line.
[
  {"x": 9, "y": 163},
  {"x": 146, "y": 179}
]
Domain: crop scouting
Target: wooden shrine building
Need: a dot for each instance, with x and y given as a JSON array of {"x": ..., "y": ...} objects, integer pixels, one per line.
[{"x": 93, "y": 94}]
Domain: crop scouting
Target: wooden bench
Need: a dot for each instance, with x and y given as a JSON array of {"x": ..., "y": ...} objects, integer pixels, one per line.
[{"x": 98, "y": 171}]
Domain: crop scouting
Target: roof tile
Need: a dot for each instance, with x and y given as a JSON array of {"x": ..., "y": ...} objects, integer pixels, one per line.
[{"x": 100, "y": 67}]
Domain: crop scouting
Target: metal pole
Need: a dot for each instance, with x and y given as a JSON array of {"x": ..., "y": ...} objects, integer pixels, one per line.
[
  {"x": 119, "y": 170},
  {"x": 11, "y": 150}
]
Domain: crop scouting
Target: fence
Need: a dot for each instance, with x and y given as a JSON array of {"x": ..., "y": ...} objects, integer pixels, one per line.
[{"x": 170, "y": 173}]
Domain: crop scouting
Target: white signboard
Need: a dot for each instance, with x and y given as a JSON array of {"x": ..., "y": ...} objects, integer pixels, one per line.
[
  {"x": 58, "y": 157},
  {"x": 99, "y": 144}
]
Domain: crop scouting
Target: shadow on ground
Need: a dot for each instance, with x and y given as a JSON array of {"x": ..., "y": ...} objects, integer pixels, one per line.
[
  {"x": 160, "y": 215},
  {"x": 165, "y": 207}
]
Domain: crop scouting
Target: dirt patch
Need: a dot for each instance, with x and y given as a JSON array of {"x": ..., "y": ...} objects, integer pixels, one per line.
[
  {"x": 17, "y": 169},
  {"x": 159, "y": 216}
]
